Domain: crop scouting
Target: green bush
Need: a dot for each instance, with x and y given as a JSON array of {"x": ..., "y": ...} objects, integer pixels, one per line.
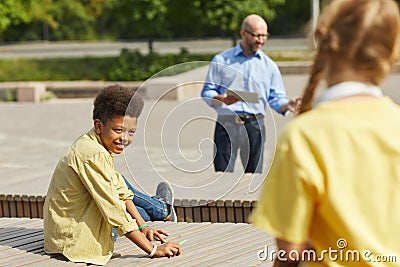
[
  {"x": 55, "y": 69},
  {"x": 10, "y": 95},
  {"x": 133, "y": 66},
  {"x": 128, "y": 66}
]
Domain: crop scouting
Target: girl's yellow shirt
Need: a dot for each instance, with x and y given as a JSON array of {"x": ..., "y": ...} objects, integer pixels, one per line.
[{"x": 335, "y": 180}]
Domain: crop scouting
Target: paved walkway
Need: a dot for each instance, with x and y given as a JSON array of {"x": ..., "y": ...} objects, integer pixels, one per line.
[
  {"x": 174, "y": 143},
  {"x": 109, "y": 49}
]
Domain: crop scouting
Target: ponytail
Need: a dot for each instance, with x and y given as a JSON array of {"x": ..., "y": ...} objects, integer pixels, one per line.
[{"x": 315, "y": 77}]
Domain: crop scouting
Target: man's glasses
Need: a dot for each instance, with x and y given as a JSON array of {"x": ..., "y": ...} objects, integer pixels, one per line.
[{"x": 264, "y": 36}]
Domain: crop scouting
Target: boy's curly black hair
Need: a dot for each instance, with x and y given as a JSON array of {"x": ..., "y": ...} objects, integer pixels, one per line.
[{"x": 115, "y": 100}]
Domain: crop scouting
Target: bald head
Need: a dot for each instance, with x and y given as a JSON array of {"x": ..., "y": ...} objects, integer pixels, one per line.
[
  {"x": 254, "y": 34},
  {"x": 253, "y": 21}
]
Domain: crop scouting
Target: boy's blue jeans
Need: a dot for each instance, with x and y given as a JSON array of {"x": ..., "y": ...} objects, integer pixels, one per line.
[{"x": 150, "y": 208}]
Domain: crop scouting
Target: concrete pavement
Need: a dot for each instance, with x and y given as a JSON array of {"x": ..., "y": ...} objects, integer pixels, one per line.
[{"x": 173, "y": 143}]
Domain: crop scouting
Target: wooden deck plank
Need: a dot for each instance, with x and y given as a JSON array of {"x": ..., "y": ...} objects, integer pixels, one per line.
[
  {"x": 205, "y": 211},
  {"x": 17, "y": 233},
  {"x": 127, "y": 260},
  {"x": 52, "y": 263},
  {"x": 8, "y": 231},
  {"x": 17, "y": 256},
  {"x": 20, "y": 222},
  {"x": 200, "y": 246},
  {"x": 20, "y": 257},
  {"x": 190, "y": 210},
  {"x": 177, "y": 232},
  {"x": 36, "y": 248},
  {"x": 10, "y": 255},
  {"x": 221, "y": 211},
  {"x": 176, "y": 235},
  {"x": 235, "y": 252},
  {"x": 213, "y": 211},
  {"x": 19, "y": 241},
  {"x": 206, "y": 255},
  {"x": 246, "y": 211},
  {"x": 23, "y": 258},
  {"x": 208, "y": 244},
  {"x": 11, "y": 228},
  {"x": 30, "y": 259},
  {"x": 12, "y": 252},
  {"x": 246, "y": 258}
]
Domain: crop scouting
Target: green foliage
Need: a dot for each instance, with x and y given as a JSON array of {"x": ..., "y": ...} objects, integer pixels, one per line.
[
  {"x": 186, "y": 20},
  {"x": 129, "y": 66},
  {"x": 292, "y": 17},
  {"x": 10, "y": 95},
  {"x": 127, "y": 19},
  {"x": 32, "y": 27},
  {"x": 229, "y": 14},
  {"x": 48, "y": 95},
  {"x": 73, "y": 21},
  {"x": 14, "y": 12},
  {"x": 57, "y": 20},
  {"x": 133, "y": 66},
  {"x": 65, "y": 69},
  {"x": 22, "y": 20},
  {"x": 137, "y": 19}
]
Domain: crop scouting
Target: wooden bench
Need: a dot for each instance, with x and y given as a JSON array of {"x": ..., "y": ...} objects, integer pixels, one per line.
[
  {"x": 208, "y": 244},
  {"x": 220, "y": 211}
]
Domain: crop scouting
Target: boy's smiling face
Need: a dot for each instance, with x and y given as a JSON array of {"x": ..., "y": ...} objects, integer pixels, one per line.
[{"x": 117, "y": 133}]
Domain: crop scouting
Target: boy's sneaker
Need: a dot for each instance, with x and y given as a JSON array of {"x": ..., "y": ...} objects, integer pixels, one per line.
[
  {"x": 165, "y": 193},
  {"x": 172, "y": 215}
]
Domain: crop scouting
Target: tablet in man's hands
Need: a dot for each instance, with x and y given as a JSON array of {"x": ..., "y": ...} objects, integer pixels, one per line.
[{"x": 250, "y": 97}]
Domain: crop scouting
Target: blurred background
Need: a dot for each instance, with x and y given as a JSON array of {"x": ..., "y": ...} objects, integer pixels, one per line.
[
  {"x": 122, "y": 40},
  {"x": 61, "y": 20},
  {"x": 58, "y": 49}
]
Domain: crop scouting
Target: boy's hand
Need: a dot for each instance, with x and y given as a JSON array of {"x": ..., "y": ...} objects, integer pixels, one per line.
[
  {"x": 168, "y": 249},
  {"x": 152, "y": 233}
]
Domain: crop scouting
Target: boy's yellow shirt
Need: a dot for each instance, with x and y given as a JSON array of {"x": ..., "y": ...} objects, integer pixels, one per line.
[
  {"x": 336, "y": 180},
  {"x": 85, "y": 200}
]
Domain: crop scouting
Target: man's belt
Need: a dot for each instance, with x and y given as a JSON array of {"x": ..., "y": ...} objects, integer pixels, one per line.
[{"x": 243, "y": 119}]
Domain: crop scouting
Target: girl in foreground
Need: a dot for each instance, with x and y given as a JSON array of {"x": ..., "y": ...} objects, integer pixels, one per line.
[{"x": 335, "y": 180}]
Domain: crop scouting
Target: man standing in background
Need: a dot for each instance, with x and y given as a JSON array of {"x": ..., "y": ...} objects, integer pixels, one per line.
[{"x": 240, "y": 124}]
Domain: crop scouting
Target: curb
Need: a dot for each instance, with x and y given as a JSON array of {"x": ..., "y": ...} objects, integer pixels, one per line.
[
  {"x": 303, "y": 67},
  {"x": 294, "y": 67},
  {"x": 88, "y": 89}
]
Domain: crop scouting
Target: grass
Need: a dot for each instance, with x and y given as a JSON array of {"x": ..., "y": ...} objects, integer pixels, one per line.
[
  {"x": 55, "y": 69},
  {"x": 98, "y": 69}
]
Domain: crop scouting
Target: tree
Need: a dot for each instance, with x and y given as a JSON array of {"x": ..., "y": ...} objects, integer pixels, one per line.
[
  {"x": 75, "y": 19},
  {"x": 186, "y": 20},
  {"x": 143, "y": 19},
  {"x": 14, "y": 12},
  {"x": 229, "y": 14},
  {"x": 57, "y": 20},
  {"x": 291, "y": 17}
]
